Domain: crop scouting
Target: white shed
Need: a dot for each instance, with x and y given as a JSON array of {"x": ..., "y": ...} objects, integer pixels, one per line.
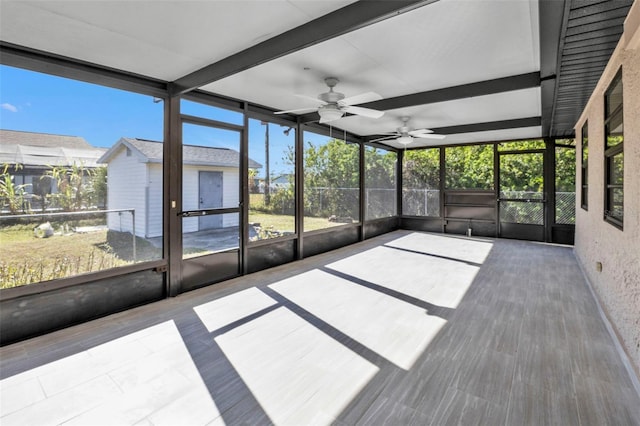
[{"x": 134, "y": 176}]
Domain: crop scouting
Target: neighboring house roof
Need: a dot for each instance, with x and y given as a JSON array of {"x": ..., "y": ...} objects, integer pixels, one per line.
[
  {"x": 285, "y": 179},
  {"x": 15, "y": 137},
  {"x": 42, "y": 149},
  {"x": 151, "y": 151}
]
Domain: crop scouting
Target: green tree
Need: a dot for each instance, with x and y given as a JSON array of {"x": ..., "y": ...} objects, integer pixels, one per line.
[
  {"x": 380, "y": 168},
  {"x": 99, "y": 186},
  {"x": 469, "y": 167},
  {"x": 12, "y": 195},
  {"x": 331, "y": 178},
  {"x": 565, "y": 185},
  {"x": 522, "y": 173},
  {"x": 380, "y": 182},
  {"x": 421, "y": 182},
  {"x": 421, "y": 169},
  {"x": 74, "y": 186}
]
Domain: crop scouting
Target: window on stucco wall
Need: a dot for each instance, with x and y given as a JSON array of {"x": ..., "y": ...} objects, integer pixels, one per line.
[{"x": 614, "y": 154}]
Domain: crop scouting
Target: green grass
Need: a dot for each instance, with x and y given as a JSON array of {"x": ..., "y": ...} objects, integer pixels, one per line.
[
  {"x": 286, "y": 222},
  {"x": 276, "y": 222},
  {"x": 259, "y": 213},
  {"x": 25, "y": 259}
]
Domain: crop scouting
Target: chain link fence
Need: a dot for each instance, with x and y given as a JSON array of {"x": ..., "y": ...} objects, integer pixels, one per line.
[
  {"x": 566, "y": 208},
  {"x": 421, "y": 202},
  {"x": 533, "y": 212},
  {"x": 380, "y": 202}
]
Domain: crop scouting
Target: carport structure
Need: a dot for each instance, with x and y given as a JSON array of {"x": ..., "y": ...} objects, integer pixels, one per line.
[{"x": 513, "y": 79}]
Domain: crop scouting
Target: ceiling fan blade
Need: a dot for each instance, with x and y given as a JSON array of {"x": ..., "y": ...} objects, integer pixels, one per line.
[
  {"x": 361, "y": 98},
  {"x": 365, "y": 112},
  {"x": 385, "y": 138},
  {"x": 296, "y": 111},
  {"x": 420, "y": 132},
  {"x": 429, "y": 136}
]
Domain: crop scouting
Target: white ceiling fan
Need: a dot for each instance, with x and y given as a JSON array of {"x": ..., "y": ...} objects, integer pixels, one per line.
[
  {"x": 333, "y": 105},
  {"x": 404, "y": 135}
]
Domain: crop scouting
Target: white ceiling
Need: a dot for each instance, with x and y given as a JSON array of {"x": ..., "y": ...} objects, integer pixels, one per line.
[
  {"x": 444, "y": 44},
  {"x": 160, "y": 39}
]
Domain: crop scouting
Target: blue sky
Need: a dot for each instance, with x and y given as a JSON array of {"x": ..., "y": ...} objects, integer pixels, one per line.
[{"x": 42, "y": 103}]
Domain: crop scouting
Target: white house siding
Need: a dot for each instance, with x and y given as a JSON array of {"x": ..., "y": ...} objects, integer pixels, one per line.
[
  {"x": 127, "y": 182},
  {"x": 618, "y": 283},
  {"x": 191, "y": 195},
  {"x": 154, "y": 202}
]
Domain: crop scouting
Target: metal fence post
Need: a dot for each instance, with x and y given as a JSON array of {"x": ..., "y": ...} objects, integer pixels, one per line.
[{"x": 133, "y": 218}]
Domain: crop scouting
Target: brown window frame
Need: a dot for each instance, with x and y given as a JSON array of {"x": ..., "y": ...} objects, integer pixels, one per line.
[
  {"x": 610, "y": 154},
  {"x": 584, "y": 188}
]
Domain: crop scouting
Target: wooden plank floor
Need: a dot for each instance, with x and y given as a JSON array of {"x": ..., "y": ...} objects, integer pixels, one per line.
[{"x": 405, "y": 328}]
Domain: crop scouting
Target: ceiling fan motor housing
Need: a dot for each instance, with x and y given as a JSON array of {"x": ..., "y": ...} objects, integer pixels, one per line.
[{"x": 331, "y": 97}]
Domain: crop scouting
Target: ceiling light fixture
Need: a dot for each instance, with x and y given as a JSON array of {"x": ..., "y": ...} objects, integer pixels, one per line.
[
  {"x": 405, "y": 139},
  {"x": 329, "y": 112}
]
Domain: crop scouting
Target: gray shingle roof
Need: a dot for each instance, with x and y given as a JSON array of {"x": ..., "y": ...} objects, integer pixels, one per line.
[
  {"x": 40, "y": 149},
  {"x": 14, "y": 137},
  {"x": 194, "y": 155}
]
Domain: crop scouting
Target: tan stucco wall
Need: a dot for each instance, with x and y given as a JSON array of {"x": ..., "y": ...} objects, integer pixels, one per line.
[{"x": 618, "y": 284}]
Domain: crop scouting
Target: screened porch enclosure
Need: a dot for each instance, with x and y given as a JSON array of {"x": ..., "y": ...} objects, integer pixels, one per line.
[
  {"x": 314, "y": 126},
  {"x": 277, "y": 192},
  {"x": 302, "y": 212}
]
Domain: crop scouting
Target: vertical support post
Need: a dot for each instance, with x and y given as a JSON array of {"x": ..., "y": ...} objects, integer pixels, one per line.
[
  {"x": 363, "y": 195},
  {"x": 172, "y": 194},
  {"x": 267, "y": 172},
  {"x": 299, "y": 191},
  {"x": 549, "y": 171},
  {"x": 244, "y": 190},
  {"x": 441, "y": 189},
  {"x": 496, "y": 186},
  {"x": 133, "y": 219},
  {"x": 399, "y": 171}
]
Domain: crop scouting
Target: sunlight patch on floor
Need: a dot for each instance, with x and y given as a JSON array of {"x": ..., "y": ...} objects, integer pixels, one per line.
[
  {"x": 452, "y": 247},
  {"x": 394, "y": 329},
  {"x": 123, "y": 381},
  {"x": 228, "y": 309},
  {"x": 297, "y": 373},
  {"x": 434, "y": 280}
]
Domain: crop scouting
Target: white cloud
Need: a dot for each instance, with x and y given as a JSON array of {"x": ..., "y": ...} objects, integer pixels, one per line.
[{"x": 9, "y": 107}]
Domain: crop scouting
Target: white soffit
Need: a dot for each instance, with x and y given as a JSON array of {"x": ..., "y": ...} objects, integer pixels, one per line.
[
  {"x": 160, "y": 39},
  {"x": 444, "y": 44}
]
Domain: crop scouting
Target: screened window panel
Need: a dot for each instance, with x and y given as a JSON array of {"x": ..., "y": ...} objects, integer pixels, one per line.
[{"x": 421, "y": 182}]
